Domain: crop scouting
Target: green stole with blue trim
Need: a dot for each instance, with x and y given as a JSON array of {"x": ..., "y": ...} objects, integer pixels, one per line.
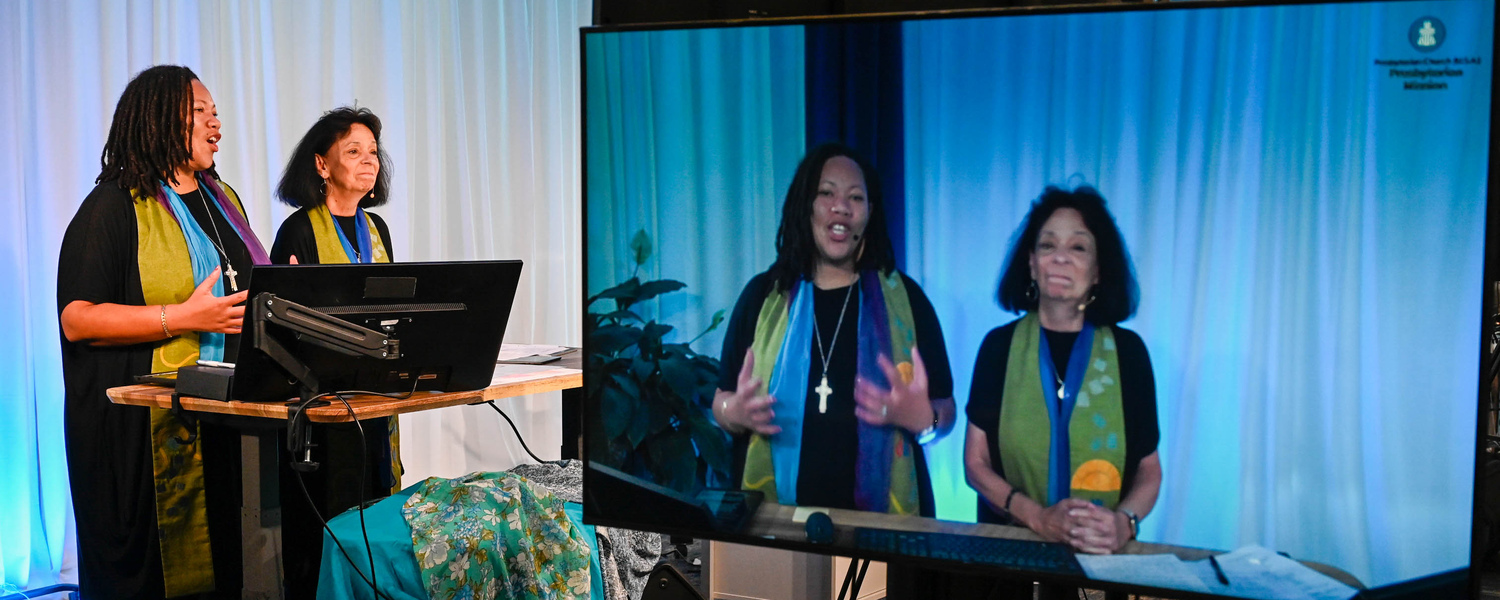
[
  {"x": 891, "y": 466},
  {"x": 1096, "y": 430},
  {"x": 181, "y": 509}
]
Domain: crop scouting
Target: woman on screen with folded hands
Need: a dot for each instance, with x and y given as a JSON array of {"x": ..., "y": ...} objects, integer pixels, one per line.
[
  {"x": 834, "y": 373},
  {"x": 1062, "y": 410},
  {"x": 336, "y": 171},
  {"x": 151, "y": 277}
]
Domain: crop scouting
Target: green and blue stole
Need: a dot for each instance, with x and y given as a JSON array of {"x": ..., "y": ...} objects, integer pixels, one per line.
[
  {"x": 886, "y": 470},
  {"x": 334, "y": 249},
  {"x": 174, "y": 255},
  {"x": 1054, "y": 448}
]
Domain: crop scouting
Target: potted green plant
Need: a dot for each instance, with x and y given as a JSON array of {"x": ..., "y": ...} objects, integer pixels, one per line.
[{"x": 651, "y": 398}]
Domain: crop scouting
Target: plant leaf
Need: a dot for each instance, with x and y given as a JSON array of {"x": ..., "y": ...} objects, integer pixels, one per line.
[
  {"x": 611, "y": 339},
  {"x": 678, "y": 375},
  {"x": 642, "y": 368},
  {"x": 648, "y": 413},
  {"x": 628, "y": 289},
  {"x": 651, "y": 335},
  {"x": 674, "y": 460},
  {"x": 640, "y": 247},
  {"x": 652, "y": 289},
  {"x": 617, "y": 409},
  {"x": 621, "y": 315},
  {"x": 713, "y": 445}
]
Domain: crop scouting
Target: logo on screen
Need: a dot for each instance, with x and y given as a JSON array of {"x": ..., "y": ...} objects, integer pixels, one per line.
[{"x": 1427, "y": 34}]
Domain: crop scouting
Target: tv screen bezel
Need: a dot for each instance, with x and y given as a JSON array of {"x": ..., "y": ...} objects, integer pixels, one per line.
[{"x": 1490, "y": 301}]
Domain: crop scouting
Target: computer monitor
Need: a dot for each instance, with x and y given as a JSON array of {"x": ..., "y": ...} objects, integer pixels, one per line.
[
  {"x": 448, "y": 318},
  {"x": 1305, "y": 190}
]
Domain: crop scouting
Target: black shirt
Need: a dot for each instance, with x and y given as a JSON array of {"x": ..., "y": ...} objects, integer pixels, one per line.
[
  {"x": 1138, "y": 396},
  {"x": 830, "y": 441},
  {"x": 109, "y": 445},
  {"x": 295, "y": 238}
]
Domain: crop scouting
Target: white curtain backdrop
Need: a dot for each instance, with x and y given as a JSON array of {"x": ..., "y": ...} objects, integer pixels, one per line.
[{"x": 480, "y": 105}]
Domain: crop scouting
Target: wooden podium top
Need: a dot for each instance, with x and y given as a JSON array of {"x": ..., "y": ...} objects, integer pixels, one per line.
[{"x": 509, "y": 381}]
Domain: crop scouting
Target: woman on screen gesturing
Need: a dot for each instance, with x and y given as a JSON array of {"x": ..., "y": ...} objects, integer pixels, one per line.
[
  {"x": 1062, "y": 411},
  {"x": 833, "y": 373}
]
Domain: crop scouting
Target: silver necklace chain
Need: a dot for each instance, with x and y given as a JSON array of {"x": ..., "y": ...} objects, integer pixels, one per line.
[
  {"x": 829, "y": 355},
  {"x": 212, "y": 223}
]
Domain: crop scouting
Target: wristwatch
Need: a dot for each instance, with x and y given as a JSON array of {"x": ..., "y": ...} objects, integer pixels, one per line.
[
  {"x": 926, "y": 436},
  {"x": 1135, "y": 521}
]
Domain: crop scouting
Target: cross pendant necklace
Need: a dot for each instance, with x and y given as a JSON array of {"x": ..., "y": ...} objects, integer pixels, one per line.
[
  {"x": 823, "y": 390},
  {"x": 229, "y": 271},
  {"x": 1061, "y": 393}
]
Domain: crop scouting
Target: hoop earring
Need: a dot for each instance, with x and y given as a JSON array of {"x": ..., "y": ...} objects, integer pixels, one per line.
[
  {"x": 1031, "y": 291},
  {"x": 323, "y": 188}
]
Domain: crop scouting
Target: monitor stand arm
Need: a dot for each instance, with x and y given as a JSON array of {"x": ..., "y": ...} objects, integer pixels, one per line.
[{"x": 319, "y": 328}]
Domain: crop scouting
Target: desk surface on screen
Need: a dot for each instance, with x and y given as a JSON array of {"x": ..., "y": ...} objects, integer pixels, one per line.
[
  {"x": 781, "y": 522},
  {"x": 509, "y": 381}
]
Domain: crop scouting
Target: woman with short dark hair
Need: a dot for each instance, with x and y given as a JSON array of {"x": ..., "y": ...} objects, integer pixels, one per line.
[
  {"x": 1062, "y": 410},
  {"x": 335, "y": 173},
  {"x": 832, "y": 311},
  {"x": 151, "y": 277}
]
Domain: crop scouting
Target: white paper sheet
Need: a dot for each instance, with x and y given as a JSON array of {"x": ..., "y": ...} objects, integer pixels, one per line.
[
  {"x": 1257, "y": 572},
  {"x": 1157, "y": 570},
  {"x": 514, "y": 351}
]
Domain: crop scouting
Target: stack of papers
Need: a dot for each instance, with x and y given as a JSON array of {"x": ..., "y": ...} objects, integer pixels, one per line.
[
  {"x": 514, "y": 351},
  {"x": 1252, "y": 571}
]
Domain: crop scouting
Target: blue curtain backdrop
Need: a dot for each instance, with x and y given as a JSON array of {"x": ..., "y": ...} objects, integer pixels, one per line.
[
  {"x": 693, "y": 137},
  {"x": 1307, "y": 233},
  {"x": 1308, "y": 237}
]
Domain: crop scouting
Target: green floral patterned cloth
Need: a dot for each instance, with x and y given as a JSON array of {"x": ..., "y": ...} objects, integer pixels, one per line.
[{"x": 492, "y": 535}]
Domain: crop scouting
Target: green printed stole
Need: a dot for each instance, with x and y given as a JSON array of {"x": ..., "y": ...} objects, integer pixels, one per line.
[
  {"x": 331, "y": 252},
  {"x": 895, "y": 471},
  {"x": 181, "y": 510},
  {"x": 1096, "y": 430}
]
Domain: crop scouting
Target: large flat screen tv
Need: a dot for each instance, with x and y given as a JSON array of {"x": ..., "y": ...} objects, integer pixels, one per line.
[{"x": 1247, "y": 319}]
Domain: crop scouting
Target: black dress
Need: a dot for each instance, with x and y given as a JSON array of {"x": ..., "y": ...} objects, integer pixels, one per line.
[
  {"x": 335, "y": 486},
  {"x": 109, "y": 445},
  {"x": 830, "y": 441}
]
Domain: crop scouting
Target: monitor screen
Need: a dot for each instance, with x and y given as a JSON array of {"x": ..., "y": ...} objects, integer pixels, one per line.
[
  {"x": 1247, "y": 319},
  {"x": 447, "y": 320}
]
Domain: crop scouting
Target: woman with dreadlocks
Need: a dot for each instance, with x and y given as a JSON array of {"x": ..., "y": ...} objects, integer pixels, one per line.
[{"x": 151, "y": 277}]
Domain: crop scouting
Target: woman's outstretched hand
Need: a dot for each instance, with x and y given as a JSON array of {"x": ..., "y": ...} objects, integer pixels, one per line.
[
  {"x": 746, "y": 408},
  {"x": 904, "y": 405}
]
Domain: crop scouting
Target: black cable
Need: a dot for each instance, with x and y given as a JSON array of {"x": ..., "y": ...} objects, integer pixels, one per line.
[
  {"x": 335, "y": 538},
  {"x": 518, "y": 431},
  {"x": 363, "y": 473},
  {"x": 860, "y": 580},
  {"x": 848, "y": 578}
]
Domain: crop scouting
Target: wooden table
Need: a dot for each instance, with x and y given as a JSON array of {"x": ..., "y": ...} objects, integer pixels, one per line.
[
  {"x": 259, "y": 420},
  {"x": 560, "y": 375}
]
